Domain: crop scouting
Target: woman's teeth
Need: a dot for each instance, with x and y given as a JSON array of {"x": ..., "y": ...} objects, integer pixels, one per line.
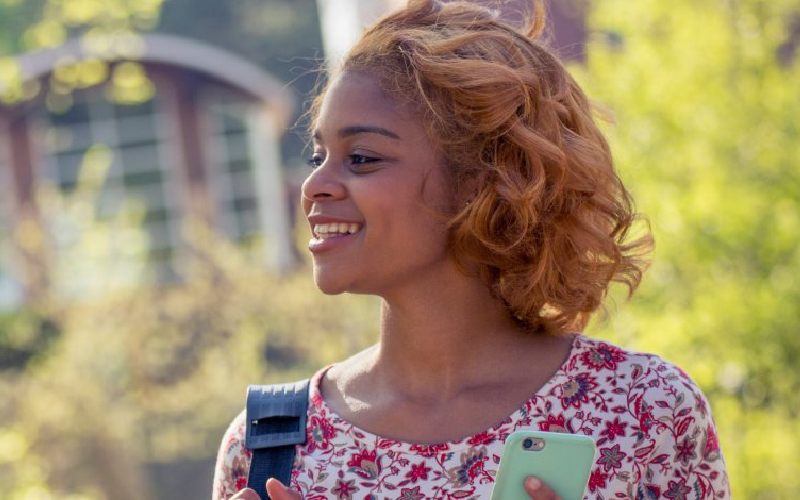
[{"x": 333, "y": 229}]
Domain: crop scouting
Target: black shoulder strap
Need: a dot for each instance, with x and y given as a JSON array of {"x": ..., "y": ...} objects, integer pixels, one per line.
[{"x": 276, "y": 422}]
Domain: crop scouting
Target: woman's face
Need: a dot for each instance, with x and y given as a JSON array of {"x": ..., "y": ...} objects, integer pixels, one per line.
[{"x": 368, "y": 200}]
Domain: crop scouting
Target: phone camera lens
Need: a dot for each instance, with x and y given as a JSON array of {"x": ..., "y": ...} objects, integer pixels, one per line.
[{"x": 527, "y": 443}]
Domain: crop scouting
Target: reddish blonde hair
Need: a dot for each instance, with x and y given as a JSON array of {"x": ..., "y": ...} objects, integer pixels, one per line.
[{"x": 547, "y": 219}]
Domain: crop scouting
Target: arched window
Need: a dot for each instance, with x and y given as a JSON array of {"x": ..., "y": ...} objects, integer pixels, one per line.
[
  {"x": 231, "y": 165},
  {"x": 138, "y": 174}
]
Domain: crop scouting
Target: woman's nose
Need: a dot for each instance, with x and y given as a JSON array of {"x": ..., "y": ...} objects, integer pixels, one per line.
[{"x": 323, "y": 184}]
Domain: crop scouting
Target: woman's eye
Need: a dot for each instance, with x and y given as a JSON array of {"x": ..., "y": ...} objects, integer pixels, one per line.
[
  {"x": 362, "y": 160},
  {"x": 316, "y": 161}
]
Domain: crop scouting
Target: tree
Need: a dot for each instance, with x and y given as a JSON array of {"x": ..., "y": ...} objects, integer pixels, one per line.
[{"x": 706, "y": 134}]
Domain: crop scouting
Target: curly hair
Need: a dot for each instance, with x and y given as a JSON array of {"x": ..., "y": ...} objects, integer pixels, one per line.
[{"x": 547, "y": 221}]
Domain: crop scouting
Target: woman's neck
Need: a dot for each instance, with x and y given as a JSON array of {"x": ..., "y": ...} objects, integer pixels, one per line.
[
  {"x": 442, "y": 341},
  {"x": 449, "y": 354}
]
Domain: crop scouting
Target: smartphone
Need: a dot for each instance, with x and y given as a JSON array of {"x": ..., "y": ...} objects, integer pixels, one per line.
[{"x": 562, "y": 461}]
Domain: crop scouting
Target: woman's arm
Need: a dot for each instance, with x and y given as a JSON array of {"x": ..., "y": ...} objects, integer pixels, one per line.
[
  {"x": 233, "y": 462},
  {"x": 686, "y": 459}
]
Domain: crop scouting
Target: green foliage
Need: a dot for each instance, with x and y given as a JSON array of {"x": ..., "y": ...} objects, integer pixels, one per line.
[
  {"x": 106, "y": 29},
  {"x": 156, "y": 372},
  {"x": 14, "y": 16},
  {"x": 708, "y": 139}
]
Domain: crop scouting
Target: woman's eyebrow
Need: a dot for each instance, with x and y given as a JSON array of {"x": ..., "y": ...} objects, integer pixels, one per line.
[
  {"x": 356, "y": 130},
  {"x": 366, "y": 129}
]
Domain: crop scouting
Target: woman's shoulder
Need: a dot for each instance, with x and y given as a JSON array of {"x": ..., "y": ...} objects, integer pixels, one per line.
[
  {"x": 636, "y": 384},
  {"x": 659, "y": 398},
  {"x": 233, "y": 460},
  {"x": 647, "y": 411},
  {"x": 605, "y": 358}
]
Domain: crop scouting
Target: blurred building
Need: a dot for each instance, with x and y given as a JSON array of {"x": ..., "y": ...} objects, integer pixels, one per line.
[{"x": 192, "y": 131}]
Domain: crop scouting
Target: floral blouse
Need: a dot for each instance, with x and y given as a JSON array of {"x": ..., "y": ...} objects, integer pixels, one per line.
[{"x": 654, "y": 434}]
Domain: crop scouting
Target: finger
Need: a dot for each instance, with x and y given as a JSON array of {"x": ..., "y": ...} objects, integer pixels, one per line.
[
  {"x": 538, "y": 490},
  {"x": 246, "y": 494},
  {"x": 277, "y": 491}
]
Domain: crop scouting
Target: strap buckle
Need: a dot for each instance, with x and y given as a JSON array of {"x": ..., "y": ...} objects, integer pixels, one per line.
[{"x": 276, "y": 415}]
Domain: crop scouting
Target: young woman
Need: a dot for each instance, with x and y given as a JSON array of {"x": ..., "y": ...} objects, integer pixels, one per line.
[{"x": 458, "y": 174}]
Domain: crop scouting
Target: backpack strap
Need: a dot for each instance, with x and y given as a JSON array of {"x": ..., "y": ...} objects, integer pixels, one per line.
[{"x": 276, "y": 422}]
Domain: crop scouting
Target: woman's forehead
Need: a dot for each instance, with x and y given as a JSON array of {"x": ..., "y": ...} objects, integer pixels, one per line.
[{"x": 358, "y": 98}]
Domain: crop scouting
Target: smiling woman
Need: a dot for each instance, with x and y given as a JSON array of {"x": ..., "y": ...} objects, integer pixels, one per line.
[{"x": 457, "y": 174}]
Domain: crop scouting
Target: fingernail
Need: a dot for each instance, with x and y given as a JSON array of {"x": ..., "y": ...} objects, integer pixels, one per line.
[
  {"x": 533, "y": 483},
  {"x": 280, "y": 484}
]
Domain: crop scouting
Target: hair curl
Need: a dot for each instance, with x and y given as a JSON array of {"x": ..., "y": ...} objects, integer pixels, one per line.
[{"x": 548, "y": 220}]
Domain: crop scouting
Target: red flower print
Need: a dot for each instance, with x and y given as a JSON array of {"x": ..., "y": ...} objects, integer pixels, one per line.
[
  {"x": 344, "y": 489},
  {"x": 646, "y": 421},
  {"x": 702, "y": 406},
  {"x": 603, "y": 356},
  {"x": 320, "y": 432},
  {"x": 677, "y": 490},
  {"x": 365, "y": 464},
  {"x": 410, "y": 494},
  {"x": 685, "y": 450},
  {"x": 554, "y": 424},
  {"x": 472, "y": 462},
  {"x": 711, "y": 451},
  {"x": 418, "y": 472},
  {"x": 429, "y": 450},
  {"x": 576, "y": 390},
  {"x": 239, "y": 472},
  {"x": 597, "y": 480},
  {"x": 651, "y": 491},
  {"x": 611, "y": 458},
  {"x": 486, "y": 437},
  {"x": 613, "y": 429}
]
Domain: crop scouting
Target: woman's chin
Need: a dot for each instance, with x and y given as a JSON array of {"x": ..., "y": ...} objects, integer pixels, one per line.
[{"x": 329, "y": 286}]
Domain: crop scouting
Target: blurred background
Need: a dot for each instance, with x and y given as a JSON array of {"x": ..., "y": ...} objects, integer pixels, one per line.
[{"x": 152, "y": 262}]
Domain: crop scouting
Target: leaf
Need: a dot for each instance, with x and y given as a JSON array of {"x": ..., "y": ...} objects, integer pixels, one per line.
[
  {"x": 659, "y": 459},
  {"x": 683, "y": 425},
  {"x": 461, "y": 493},
  {"x": 384, "y": 444},
  {"x": 644, "y": 451}
]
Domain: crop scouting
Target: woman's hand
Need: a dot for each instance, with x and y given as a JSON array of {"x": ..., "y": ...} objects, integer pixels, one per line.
[
  {"x": 275, "y": 489},
  {"x": 538, "y": 490},
  {"x": 245, "y": 494}
]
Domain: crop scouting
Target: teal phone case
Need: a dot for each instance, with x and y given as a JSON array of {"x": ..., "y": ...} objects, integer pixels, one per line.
[{"x": 564, "y": 463}]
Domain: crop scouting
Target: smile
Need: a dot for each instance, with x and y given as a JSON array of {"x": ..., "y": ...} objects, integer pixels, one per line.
[{"x": 334, "y": 229}]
